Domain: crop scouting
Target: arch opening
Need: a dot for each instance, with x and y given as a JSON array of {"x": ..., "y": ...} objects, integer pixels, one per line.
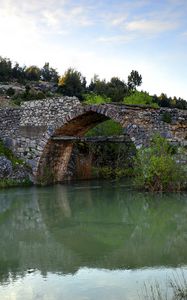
[{"x": 54, "y": 163}]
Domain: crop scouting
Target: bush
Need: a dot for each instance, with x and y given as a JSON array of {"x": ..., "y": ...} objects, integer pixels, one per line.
[
  {"x": 157, "y": 170},
  {"x": 96, "y": 99},
  {"x": 29, "y": 94},
  {"x": 140, "y": 98},
  {"x": 4, "y": 151},
  {"x": 10, "y": 91}
]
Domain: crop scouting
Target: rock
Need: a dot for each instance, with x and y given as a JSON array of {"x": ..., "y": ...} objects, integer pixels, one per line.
[{"x": 5, "y": 167}]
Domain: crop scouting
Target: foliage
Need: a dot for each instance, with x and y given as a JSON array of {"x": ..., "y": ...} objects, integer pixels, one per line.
[
  {"x": 110, "y": 159},
  {"x": 4, "y": 151},
  {"x": 6, "y": 183},
  {"x": 166, "y": 117},
  {"x": 111, "y": 172},
  {"x": 156, "y": 169},
  {"x": 46, "y": 178},
  {"x": 72, "y": 83},
  {"x": 140, "y": 98},
  {"x": 49, "y": 74},
  {"x": 164, "y": 101},
  {"x": 28, "y": 94},
  {"x": 134, "y": 80},
  {"x": 98, "y": 86},
  {"x": 33, "y": 73},
  {"x": 115, "y": 89},
  {"x": 10, "y": 91},
  {"x": 18, "y": 73},
  {"x": 95, "y": 99},
  {"x": 106, "y": 128},
  {"x": 5, "y": 69}
]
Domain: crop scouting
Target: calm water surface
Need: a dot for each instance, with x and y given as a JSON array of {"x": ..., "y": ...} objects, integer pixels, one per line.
[{"x": 88, "y": 241}]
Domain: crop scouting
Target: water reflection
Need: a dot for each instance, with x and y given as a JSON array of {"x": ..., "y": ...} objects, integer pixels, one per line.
[{"x": 99, "y": 225}]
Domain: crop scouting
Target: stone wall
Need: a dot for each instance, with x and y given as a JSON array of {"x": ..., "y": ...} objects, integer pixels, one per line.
[{"x": 28, "y": 130}]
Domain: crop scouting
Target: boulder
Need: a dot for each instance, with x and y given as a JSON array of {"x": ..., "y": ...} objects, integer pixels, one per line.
[{"x": 5, "y": 167}]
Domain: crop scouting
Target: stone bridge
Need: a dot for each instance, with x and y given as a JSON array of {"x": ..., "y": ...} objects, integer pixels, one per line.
[{"x": 30, "y": 129}]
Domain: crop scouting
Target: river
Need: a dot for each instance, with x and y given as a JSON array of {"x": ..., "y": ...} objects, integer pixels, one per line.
[{"x": 90, "y": 240}]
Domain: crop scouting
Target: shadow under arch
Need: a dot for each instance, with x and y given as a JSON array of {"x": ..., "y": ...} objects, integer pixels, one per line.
[{"x": 53, "y": 163}]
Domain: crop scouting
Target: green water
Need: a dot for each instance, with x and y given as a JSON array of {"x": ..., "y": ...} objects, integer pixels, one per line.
[{"x": 88, "y": 241}]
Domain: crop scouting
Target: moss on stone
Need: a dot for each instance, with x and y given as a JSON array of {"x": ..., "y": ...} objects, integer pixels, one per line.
[{"x": 4, "y": 151}]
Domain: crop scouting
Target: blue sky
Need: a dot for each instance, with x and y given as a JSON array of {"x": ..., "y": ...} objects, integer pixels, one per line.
[{"x": 108, "y": 38}]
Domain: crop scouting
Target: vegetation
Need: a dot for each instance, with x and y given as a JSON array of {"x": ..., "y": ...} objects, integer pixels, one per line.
[
  {"x": 49, "y": 74},
  {"x": 8, "y": 182},
  {"x": 95, "y": 99},
  {"x": 10, "y": 71},
  {"x": 177, "y": 285},
  {"x": 134, "y": 80},
  {"x": 165, "y": 101},
  {"x": 73, "y": 83},
  {"x": 109, "y": 160},
  {"x": 5, "y": 69},
  {"x": 115, "y": 89},
  {"x": 140, "y": 98},
  {"x": 4, "y": 151},
  {"x": 156, "y": 168},
  {"x": 166, "y": 117},
  {"x": 106, "y": 128}
]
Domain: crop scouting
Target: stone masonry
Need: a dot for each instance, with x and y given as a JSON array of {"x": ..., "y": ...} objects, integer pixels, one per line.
[{"x": 29, "y": 130}]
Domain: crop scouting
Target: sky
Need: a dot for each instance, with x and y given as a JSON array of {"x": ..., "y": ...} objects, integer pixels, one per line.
[{"x": 104, "y": 37}]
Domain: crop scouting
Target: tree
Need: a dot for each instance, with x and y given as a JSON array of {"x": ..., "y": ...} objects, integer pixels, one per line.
[
  {"x": 164, "y": 100},
  {"x": 98, "y": 86},
  {"x": 72, "y": 83},
  {"x": 33, "y": 73},
  {"x": 134, "y": 80},
  {"x": 116, "y": 89},
  {"x": 181, "y": 103},
  {"x": 5, "y": 69},
  {"x": 18, "y": 72},
  {"x": 49, "y": 74}
]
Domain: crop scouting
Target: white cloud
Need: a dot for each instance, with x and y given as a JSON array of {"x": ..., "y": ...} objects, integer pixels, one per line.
[
  {"x": 33, "y": 32},
  {"x": 116, "y": 39},
  {"x": 118, "y": 20},
  {"x": 150, "y": 26}
]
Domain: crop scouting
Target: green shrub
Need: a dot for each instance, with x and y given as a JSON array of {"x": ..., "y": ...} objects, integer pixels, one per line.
[
  {"x": 4, "y": 151},
  {"x": 140, "y": 98},
  {"x": 6, "y": 183},
  {"x": 10, "y": 91},
  {"x": 166, "y": 117},
  {"x": 157, "y": 170},
  {"x": 29, "y": 94},
  {"x": 95, "y": 99}
]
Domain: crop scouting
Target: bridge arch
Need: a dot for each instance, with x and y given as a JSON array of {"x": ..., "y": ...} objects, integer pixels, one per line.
[{"x": 53, "y": 162}]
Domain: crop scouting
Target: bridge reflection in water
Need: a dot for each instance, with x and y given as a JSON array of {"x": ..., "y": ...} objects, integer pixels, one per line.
[{"x": 64, "y": 228}]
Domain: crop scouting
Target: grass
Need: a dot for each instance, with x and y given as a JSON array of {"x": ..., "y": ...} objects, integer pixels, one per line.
[
  {"x": 177, "y": 285},
  {"x": 6, "y": 183}
]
